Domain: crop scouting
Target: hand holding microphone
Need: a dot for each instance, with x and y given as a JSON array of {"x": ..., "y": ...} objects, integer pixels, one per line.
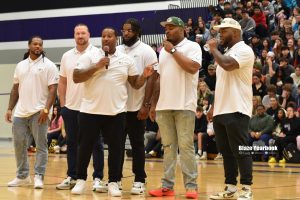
[{"x": 106, "y": 50}]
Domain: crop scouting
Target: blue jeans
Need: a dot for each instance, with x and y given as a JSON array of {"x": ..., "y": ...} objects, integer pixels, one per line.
[
  {"x": 70, "y": 118},
  {"x": 22, "y": 128},
  {"x": 177, "y": 131}
]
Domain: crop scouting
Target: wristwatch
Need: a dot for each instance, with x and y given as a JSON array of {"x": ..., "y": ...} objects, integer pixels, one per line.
[
  {"x": 45, "y": 110},
  {"x": 173, "y": 50}
]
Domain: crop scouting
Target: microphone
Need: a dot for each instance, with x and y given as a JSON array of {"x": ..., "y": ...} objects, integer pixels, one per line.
[{"x": 106, "y": 50}]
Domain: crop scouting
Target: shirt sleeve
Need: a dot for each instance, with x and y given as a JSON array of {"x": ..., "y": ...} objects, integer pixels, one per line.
[
  {"x": 244, "y": 56},
  {"x": 150, "y": 57},
  {"x": 195, "y": 53},
  {"x": 83, "y": 62},
  {"x": 16, "y": 77},
  {"x": 132, "y": 69},
  {"x": 62, "y": 69},
  {"x": 53, "y": 75}
]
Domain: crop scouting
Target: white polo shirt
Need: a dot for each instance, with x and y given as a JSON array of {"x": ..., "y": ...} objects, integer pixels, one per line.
[
  {"x": 178, "y": 88},
  {"x": 234, "y": 88},
  {"x": 74, "y": 91},
  {"x": 34, "y": 77},
  {"x": 143, "y": 56},
  {"x": 105, "y": 93}
]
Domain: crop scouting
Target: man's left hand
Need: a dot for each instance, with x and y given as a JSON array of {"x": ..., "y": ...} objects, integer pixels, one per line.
[{"x": 143, "y": 113}]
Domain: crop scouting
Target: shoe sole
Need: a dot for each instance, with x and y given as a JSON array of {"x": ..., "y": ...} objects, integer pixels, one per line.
[
  {"x": 100, "y": 190},
  {"x": 137, "y": 193},
  {"x": 38, "y": 187},
  {"x": 65, "y": 188}
]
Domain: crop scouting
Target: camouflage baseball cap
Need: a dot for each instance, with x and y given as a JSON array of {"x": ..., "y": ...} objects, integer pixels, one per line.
[{"x": 176, "y": 21}]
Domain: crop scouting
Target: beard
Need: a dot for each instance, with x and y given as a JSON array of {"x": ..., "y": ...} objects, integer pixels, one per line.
[{"x": 131, "y": 41}]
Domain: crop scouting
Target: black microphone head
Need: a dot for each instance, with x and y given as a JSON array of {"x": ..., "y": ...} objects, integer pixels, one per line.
[{"x": 106, "y": 50}]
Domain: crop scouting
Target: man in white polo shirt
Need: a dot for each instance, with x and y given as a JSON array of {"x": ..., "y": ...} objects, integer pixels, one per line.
[
  {"x": 34, "y": 92},
  {"x": 70, "y": 95},
  {"x": 138, "y": 102},
  {"x": 103, "y": 107},
  {"x": 179, "y": 63},
  {"x": 233, "y": 107}
]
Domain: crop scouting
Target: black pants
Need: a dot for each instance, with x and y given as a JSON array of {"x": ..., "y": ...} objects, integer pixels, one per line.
[
  {"x": 232, "y": 131},
  {"x": 135, "y": 129},
  {"x": 206, "y": 139},
  {"x": 282, "y": 142},
  {"x": 112, "y": 128},
  {"x": 70, "y": 118}
]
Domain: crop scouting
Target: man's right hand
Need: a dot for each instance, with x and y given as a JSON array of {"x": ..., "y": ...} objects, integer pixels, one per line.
[
  {"x": 8, "y": 115},
  {"x": 152, "y": 113},
  {"x": 103, "y": 62}
]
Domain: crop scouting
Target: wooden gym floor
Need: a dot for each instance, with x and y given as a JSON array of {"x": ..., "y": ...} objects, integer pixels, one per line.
[{"x": 270, "y": 181}]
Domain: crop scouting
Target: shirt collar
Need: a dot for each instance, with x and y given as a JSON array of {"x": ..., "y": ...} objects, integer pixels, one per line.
[
  {"x": 87, "y": 49},
  {"x": 133, "y": 46},
  {"x": 34, "y": 61},
  {"x": 116, "y": 54},
  {"x": 182, "y": 42}
]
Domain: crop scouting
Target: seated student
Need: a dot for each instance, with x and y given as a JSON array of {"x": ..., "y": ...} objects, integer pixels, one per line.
[
  {"x": 260, "y": 127},
  {"x": 207, "y": 137},
  {"x": 151, "y": 129},
  {"x": 54, "y": 129},
  {"x": 278, "y": 124},
  {"x": 61, "y": 146},
  {"x": 200, "y": 128},
  {"x": 290, "y": 131},
  {"x": 153, "y": 148},
  {"x": 273, "y": 109}
]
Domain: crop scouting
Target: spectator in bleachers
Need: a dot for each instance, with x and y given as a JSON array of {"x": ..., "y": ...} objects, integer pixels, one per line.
[
  {"x": 292, "y": 48},
  {"x": 259, "y": 17},
  {"x": 286, "y": 96},
  {"x": 256, "y": 45},
  {"x": 291, "y": 129},
  {"x": 210, "y": 79},
  {"x": 202, "y": 30},
  {"x": 295, "y": 26},
  {"x": 274, "y": 36},
  {"x": 206, "y": 137},
  {"x": 55, "y": 125},
  {"x": 274, "y": 108},
  {"x": 217, "y": 18},
  {"x": 228, "y": 13},
  {"x": 288, "y": 35},
  {"x": 297, "y": 57},
  {"x": 266, "y": 44},
  {"x": 282, "y": 73},
  {"x": 153, "y": 148},
  {"x": 256, "y": 100},
  {"x": 297, "y": 100},
  {"x": 297, "y": 37},
  {"x": 260, "y": 126},
  {"x": 203, "y": 92},
  {"x": 248, "y": 26},
  {"x": 199, "y": 130},
  {"x": 258, "y": 87},
  {"x": 277, "y": 47},
  {"x": 282, "y": 12},
  {"x": 269, "y": 12},
  {"x": 269, "y": 69},
  {"x": 220, "y": 7},
  {"x": 271, "y": 92},
  {"x": 238, "y": 14},
  {"x": 249, "y": 7},
  {"x": 296, "y": 76},
  {"x": 262, "y": 59},
  {"x": 278, "y": 126},
  {"x": 285, "y": 53}
]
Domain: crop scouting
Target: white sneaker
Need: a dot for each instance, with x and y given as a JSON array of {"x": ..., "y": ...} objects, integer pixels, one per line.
[
  {"x": 138, "y": 188},
  {"x": 197, "y": 156},
  {"x": 79, "y": 187},
  {"x": 204, "y": 156},
  {"x": 100, "y": 186},
  {"x": 120, "y": 185},
  {"x": 17, "y": 182},
  {"x": 219, "y": 157},
  {"x": 113, "y": 189},
  {"x": 66, "y": 184},
  {"x": 226, "y": 194},
  {"x": 245, "y": 194},
  {"x": 56, "y": 149},
  {"x": 38, "y": 182}
]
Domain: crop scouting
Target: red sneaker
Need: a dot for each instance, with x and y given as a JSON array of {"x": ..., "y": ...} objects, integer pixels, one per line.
[
  {"x": 162, "y": 192},
  {"x": 191, "y": 194}
]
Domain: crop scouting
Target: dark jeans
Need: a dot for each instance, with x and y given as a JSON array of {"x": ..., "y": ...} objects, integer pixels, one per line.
[
  {"x": 135, "y": 129},
  {"x": 206, "y": 139},
  {"x": 232, "y": 131},
  {"x": 51, "y": 136},
  {"x": 282, "y": 142},
  {"x": 112, "y": 129},
  {"x": 70, "y": 118}
]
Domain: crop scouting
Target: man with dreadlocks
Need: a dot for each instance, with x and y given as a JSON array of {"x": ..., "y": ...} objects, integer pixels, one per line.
[
  {"x": 33, "y": 93},
  {"x": 138, "y": 102}
]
